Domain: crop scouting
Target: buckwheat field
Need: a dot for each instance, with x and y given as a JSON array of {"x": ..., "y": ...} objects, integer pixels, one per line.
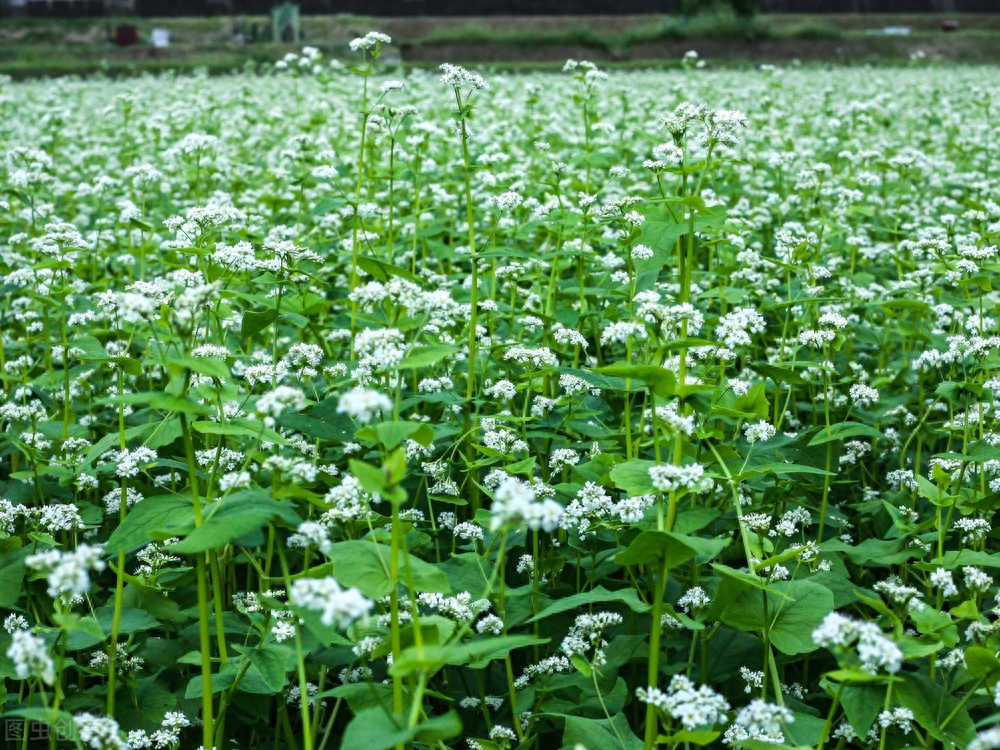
[{"x": 476, "y": 410}]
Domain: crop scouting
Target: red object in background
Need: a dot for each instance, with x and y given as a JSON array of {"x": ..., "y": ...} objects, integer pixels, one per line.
[
  {"x": 126, "y": 35},
  {"x": 949, "y": 25}
]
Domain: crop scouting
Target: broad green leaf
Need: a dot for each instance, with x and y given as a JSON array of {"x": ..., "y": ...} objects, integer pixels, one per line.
[
  {"x": 805, "y": 731},
  {"x": 382, "y": 271},
  {"x": 158, "y": 512},
  {"x": 220, "y": 681},
  {"x": 391, "y": 434},
  {"x": 241, "y": 428},
  {"x": 132, "y": 620},
  {"x": 255, "y": 322},
  {"x": 753, "y": 402},
  {"x": 12, "y": 569},
  {"x": 632, "y": 476},
  {"x": 936, "y": 625},
  {"x": 167, "y": 402},
  {"x": 778, "y": 373},
  {"x": 598, "y": 595},
  {"x": 425, "y": 356},
  {"x": 232, "y": 517},
  {"x": 982, "y": 662},
  {"x": 660, "y": 380},
  {"x": 88, "y": 627},
  {"x": 673, "y": 548},
  {"x": 600, "y": 734},
  {"x": 698, "y": 739},
  {"x": 365, "y": 565},
  {"x": 791, "y": 620},
  {"x": 214, "y": 368},
  {"x": 337, "y": 427},
  {"x": 477, "y": 654},
  {"x": 930, "y": 703},
  {"x": 843, "y": 432},
  {"x": 270, "y": 662},
  {"x": 374, "y": 729}
]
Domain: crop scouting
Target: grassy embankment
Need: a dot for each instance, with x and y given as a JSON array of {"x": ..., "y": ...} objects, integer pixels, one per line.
[{"x": 33, "y": 47}]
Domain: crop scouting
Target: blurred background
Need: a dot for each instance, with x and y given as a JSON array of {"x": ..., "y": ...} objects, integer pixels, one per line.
[{"x": 128, "y": 37}]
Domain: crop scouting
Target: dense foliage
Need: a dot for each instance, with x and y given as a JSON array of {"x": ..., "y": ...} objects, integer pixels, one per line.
[{"x": 517, "y": 411}]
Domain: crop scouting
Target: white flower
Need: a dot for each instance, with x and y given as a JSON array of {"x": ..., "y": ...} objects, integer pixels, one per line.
[
  {"x": 31, "y": 657},
  {"x": 941, "y": 579},
  {"x": 283, "y": 631},
  {"x": 864, "y": 396},
  {"x": 693, "y": 707},
  {"x": 340, "y": 607},
  {"x": 99, "y": 732},
  {"x": 874, "y": 649},
  {"x": 694, "y": 599},
  {"x": 363, "y": 404},
  {"x": 641, "y": 252},
  {"x": 759, "y": 721},
  {"x": 507, "y": 201},
  {"x": 369, "y": 40},
  {"x": 736, "y": 327},
  {"x": 129, "y": 462},
  {"x": 514, "y": 505},
  {"x": 275, "y": 403},
  {"x": 759, "y": 432},
  {"x": 68, "y": 572},
  {"x": 669, "y": 478}
]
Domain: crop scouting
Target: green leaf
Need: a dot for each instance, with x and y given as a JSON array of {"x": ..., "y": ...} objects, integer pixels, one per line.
[
  {"x": 675, "y": 549},
  {"x": 425, "y": 356},
  {"x": 167, "y": 402},
  {"x": 843, "y": 432},
  {"x": 930, "y": 703},
  {"x": 153, "y": 513},
  {"x": 374, "y": 729},
  {"x": 382, "y": 271},
  {"x": 982, "y": 662},
  {"x": 12, "y": 569},
  {"x": 633, "y": 476},
  {"x": 598, "y": 595},
  {"x": 862, "y": 704},
  {"x": 600, "y": 734},
  {"x": 365, "y": 565},
  {"x": 692, "y": 738},
  {"x": 270, "y": 662},
  {"x": 478, "y": 654},
  {"x": 371, "y": 478},
  {"x": 791, "y": 620},
  {"x": 753, "y": 402},
  {"x": 232, "y": 517},
  {"x": 255, "y": 322},
  {"x": 391, "y": 434},
  {"x": 338, "y": 427},
  {"x": 220, "y": 681},
  {"x": 241, "y": 428},
  {"x": 326, "y": 206},
  {"x": 805, "y": 730},
  {"x": 936, "y": 625},
  {"x": 88, "y": 626},
  {"x": 132, "y": 620},
  {"x": 439, "y": 728},
  {"x": 777, "y": 373},
  {"x": 214, "y": 368},
  {"x": 659, "y": 380}
]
